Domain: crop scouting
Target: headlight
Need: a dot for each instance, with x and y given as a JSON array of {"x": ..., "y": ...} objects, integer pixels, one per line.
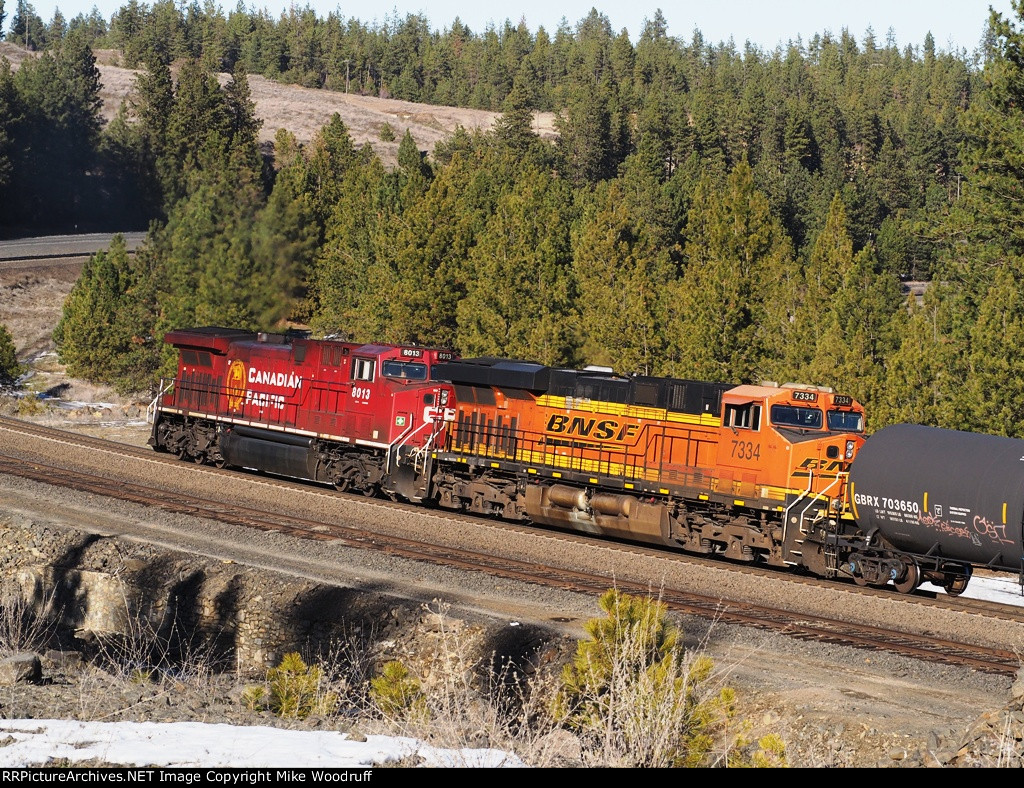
[{"x": 849, "y": 449}]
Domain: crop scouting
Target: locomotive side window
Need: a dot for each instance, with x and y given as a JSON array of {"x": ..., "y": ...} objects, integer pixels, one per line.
[
  {"x": 845, "y": 421},
  {"x": 404, "y": 369},
  {"x": 196, "y": 358},
  {"x": 362, "y": 369},
  {"x": 747, "y": 417},
  {"x": 792, "y": 416}
]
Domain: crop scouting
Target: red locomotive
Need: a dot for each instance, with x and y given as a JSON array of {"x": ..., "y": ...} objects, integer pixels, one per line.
[{"x": 355, "y": 416}]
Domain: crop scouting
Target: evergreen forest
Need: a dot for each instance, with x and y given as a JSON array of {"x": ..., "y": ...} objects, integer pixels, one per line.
[{"x": 706, "y": 212}]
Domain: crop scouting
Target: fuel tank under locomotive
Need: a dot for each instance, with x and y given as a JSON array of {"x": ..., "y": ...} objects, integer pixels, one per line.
[
  {"x": 274, "y": 452},
  {"x": 943, "y": 493}
]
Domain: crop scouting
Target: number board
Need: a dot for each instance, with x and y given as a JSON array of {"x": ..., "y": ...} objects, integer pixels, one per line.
[
  {"x": 805, "y": 396},
  {"x": 842, "y": 400}
]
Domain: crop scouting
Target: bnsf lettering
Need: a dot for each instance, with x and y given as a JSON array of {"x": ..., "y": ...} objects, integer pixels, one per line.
[
  {"x": 602, "y": 429},
  {"x": 822, "y": 465}
]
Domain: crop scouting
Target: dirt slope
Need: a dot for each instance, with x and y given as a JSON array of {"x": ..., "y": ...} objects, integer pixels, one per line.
[{"x": 303, "y": 111}]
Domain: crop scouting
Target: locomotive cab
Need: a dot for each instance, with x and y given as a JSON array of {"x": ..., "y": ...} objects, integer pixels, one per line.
[{"x": 794, "y": 444}]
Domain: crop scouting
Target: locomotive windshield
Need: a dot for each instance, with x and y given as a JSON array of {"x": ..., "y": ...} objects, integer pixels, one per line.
[
  {"x": 793, "y": 416},
  {"x": 405, "y": 370},
  {"x": 845, "y": 421}
]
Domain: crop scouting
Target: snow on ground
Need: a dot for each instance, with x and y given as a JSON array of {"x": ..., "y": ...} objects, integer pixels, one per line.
[
  {"x": 195, "y": 744},
  {"x": 1004, "y": 589}
]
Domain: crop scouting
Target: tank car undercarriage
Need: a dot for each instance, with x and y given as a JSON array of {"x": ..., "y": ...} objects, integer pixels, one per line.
[{"x": 877, "y": 566}]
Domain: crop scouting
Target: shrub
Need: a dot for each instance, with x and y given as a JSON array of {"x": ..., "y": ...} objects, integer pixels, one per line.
[
  {"x": 396, "y": 693},
  {"x": 294, "y": 690},
  {"x": 639, "y": 699}
]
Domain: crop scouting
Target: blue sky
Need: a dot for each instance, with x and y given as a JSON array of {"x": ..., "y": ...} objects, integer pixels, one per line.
[{"x": 955, "y": 24}]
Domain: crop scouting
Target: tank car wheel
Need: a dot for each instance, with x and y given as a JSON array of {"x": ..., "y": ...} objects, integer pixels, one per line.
[
  {"x": 911, "y": 578},
  {"x": 859, "y": 580},
  {"x": 955, "y": 585}
]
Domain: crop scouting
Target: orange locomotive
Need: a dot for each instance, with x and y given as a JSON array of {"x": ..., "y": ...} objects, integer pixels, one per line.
[{"x": 756, "y": 473}]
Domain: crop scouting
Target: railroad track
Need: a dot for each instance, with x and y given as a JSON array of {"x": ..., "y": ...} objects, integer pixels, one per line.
[{"x": 745, "y": 613}]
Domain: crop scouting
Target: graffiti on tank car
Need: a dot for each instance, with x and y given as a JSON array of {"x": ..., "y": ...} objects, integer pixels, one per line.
[
  {"x": 584, "y": 427},
  {"x": 994, "y": 531},
  {"x": 943, "y": 526}
]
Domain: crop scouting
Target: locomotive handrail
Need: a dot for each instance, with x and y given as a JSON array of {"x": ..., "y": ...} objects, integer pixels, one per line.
[
  {"x": 165, "y": 385},
  {"x": 401, "y": 440},
  {"x": 810, "y": 503},
  {"x": 785, "y": 515}
]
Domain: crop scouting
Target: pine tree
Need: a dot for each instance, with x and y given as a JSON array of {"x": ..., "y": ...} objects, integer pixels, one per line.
[
  {"x": 621, "y": 273},
  {"x": 922, "y": 381},
  {"x": 857, "y": 340},
  {"x": 284, "y": 239},
  {"x": 519, "y": 291},
  {"x": 104, "y": 334},
  {"x": 733, "y": 252},
  {"x": 983, "y": 243},
  {"x": 10, "y": 369},
  {"x": 331, "y": 155},
  {"x": 830, "y": 258}
]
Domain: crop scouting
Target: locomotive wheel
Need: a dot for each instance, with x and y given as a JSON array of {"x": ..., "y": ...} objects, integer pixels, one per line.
[{"x": 911, "y": 578}]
